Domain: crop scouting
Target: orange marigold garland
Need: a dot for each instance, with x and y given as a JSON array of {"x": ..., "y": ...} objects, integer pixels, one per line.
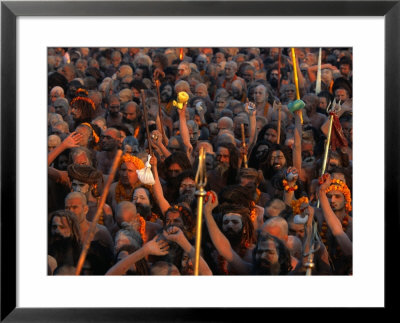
[
  {"x": 287, "y": 188},
  {"x": 253, "y": 212},
  {"x": 296, "y": 204},
  {"x": 339, "y": 185},
  {"x": 131, "y": 159},
  {"x": 142, "y": 229}
]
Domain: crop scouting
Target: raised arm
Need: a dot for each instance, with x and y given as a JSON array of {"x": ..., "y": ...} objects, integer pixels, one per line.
[
  {"x": 153, "y": 247},
  {"x": 252, "y": 123},
  {"x": 70, "y": 142},
  {"x": 331, "y": 219},
  {"x": 184, "y": 131},
  {"x": 176, "y": 235},
  {"x": 157, "y": 142},
  {"x": 220, "y": 242},
  {"x": 158, "y": 191}
]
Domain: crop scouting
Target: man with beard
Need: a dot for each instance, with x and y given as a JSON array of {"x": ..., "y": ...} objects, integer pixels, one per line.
[
  {"x": 225, "y": 173},
  {"x": 312, "y": 101},
  {"x": 251, "y": 179},
  {"x": 336, "y": 226},
  {"x": 186, "y": 267},
  {"x": 113, "y": 115},
  {"x": 187, "y": 188},
  {"x": 229, "y": 76},
  {"x": 127, "y": 212},
  {"x": 61, "y": 106},
  {"x": 272, "y": 78},
  {"x": 76, "y": 203},
  {"x": 270, "y": 256},
  {"x": 167, "y": 97},
  {"x": 82, "y": 110},
  {"x": 109, "y": 144},
  {"x": 64, "y": 238},
  {"x": 144, "y": 203},
  {"x": 238, "y": 91},
  {"x": 122, "y": 190},
  {"x": 201, "y": 63},
  {"x": 89, "y": 181},
  {"x": 132, "y": 118}
]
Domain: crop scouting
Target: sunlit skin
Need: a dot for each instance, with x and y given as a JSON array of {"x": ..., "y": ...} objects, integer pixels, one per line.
[
  {"x": 297, "y": 230},
  {"x": 271, "y": 135},
  {"x": 187, "y": 184},
  {"x": 267, "y": 251},
  {"x": 140, "y": 196},
  {"x": 59, "y": 226},
  {"x": 128, "y": 175},
  {"x": 174, "y": 218},
  {"x": 223, "y": 155},
  {"x": 76, "y": 206},
  {"x": 278, "y": 160},
  {"x": 341, "y": 94},
  {"x": 336, "y": 200}
]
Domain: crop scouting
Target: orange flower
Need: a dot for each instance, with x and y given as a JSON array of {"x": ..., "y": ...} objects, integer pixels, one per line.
[{"x": 338, "y": 185}]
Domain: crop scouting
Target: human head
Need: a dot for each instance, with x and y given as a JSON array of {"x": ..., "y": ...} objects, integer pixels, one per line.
[
  {"x": 82, "y": 109},
  {"x": 184, "y": 70},
  {"x": 110, "y": 140},
  {"x": 85, "y": 179},
  {"x": 128, "y": 166},
  {"x": 52, "y": 142},
  {"x": 63, "y": 224},
  {"x": 76, "y": 202},
  {"x": 271, "y": 256},
  {"x": 339, "y": 196},
  {"x": 230, "y": 69},
  {"x": 56, "y": 93},
  {"x": 164, "y": 268}
]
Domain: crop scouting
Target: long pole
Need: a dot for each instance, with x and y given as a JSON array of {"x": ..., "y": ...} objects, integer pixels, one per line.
[
  {"x": 201, "y": 181},
  {"x": 244, "y": 145},
  {"x": 160, "y": 116},
  {"x": 318, "y": 83},
  {"x": 146, "y": 121},
  {"x": 100, "y": 206},
  {"x": 296, "y": 81},
  {"x": 314, "y": 232}
]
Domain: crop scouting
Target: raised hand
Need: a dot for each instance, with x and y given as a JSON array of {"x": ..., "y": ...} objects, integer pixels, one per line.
[
  {"x": 157, "y": 248},
  {"x": 325, "y": 181},
  {"x": 72, "y": 140},
  {"x": 211, "y": 203},
  {"x": 174, "y": 234}
]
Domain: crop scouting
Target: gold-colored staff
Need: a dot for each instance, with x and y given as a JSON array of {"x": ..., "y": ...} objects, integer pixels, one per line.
[
  {"x": 331, "y": 109},
  {"x": 93, "y": 224},
  {"x": 298, "y": 104},
  {"x": 244, "y": 145},
  {"x": 201, "y": 181},
  {"x": 146, "y": 121}
]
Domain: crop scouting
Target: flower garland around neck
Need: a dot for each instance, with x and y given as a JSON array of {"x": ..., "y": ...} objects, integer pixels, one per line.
[
  {"x": 123, "y": 194},
  {"x": 253, "y": 212},
  {"x": 296, "y": 204},
  {"x": 142, "y": 229},
  {"x": 339, "y": 185},
  {"x": 258, "y": 195}
]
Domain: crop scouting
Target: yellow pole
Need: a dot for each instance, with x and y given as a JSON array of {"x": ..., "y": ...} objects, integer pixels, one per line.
[
  {"x": 296, "y": 81},
  {"x": 201, "y": 181}
]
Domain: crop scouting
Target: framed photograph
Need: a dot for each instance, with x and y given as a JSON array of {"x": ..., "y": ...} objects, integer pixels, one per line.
[{"x": 29, "y": 28}]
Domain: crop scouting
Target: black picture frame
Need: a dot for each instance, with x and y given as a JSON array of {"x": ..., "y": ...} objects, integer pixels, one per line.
[{"x": 10, "y": 10}]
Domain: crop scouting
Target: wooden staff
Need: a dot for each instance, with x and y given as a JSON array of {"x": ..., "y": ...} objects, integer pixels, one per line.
[
  {"x": 244, "y": 145},
  {"x": 279, "y": 124},
  {"x": 279, "y": 71},
  {"x": 160, "y": 116},
  {"x": 93, "y": 224},
  {"x": 318, "y": 83},
  {"x": 201, "y": 181},
  {"x": 146, "y": 121}
]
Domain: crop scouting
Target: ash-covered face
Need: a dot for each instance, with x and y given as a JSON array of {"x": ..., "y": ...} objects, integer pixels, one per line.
[{"x": 267, "y": 258}]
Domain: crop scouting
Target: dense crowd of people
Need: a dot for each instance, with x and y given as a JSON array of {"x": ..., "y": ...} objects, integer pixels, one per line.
[{"x": 127, "y": 128}]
